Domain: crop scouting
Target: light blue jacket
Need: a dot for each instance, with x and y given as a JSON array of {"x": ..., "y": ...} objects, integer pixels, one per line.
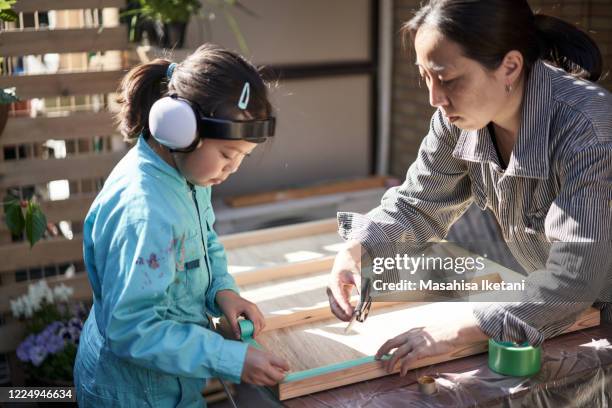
[{"x": 155, "y": 265}]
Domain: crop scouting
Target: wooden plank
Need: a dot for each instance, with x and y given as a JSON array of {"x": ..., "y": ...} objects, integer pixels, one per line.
[
  {"x": 30, "y": 6},
  {"x": 35, "y": 171},
  {"x": 295, "y": 193},
  {"x": 19, "y": 255},
  {"x": 215, "y": 397},
  {"x": 320, "y": 344},
  {"x": 303, "y": 299},
  {"x": 63, "y": 84},
  {"x": 35, "y": 42},
  {"x": 72, "y": 209},
  {"x": 275, "y": 234},
  {"x": 59, "y": 250},
  {"x": 74, "y": 126},
  {"x": 283, "y": 271},
  {"x": 11, "y": 334}
]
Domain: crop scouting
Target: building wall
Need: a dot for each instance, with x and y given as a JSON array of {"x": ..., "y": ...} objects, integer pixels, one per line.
[{"x": 411, "y": 112}]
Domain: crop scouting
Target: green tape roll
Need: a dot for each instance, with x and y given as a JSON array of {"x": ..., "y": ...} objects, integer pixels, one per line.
[
  {"x": 246, "y": 329},
  {"x": 516, "y": 360},
  {"x": 246, "y": 332}
]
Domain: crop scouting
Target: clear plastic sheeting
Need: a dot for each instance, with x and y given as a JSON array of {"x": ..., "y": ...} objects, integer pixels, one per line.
[{"x": 576, "y": 372}]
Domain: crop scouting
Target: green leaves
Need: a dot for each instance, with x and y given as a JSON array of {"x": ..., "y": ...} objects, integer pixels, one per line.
[
  {"x": 33, "y": 221},
  {"x": 169, "y": 11},
  {"x": 6, "y": 14},
  {"x": 14, "y": 216}
]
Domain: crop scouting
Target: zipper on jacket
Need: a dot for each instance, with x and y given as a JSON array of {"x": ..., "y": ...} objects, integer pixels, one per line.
[{"x": 195, "y": 200}]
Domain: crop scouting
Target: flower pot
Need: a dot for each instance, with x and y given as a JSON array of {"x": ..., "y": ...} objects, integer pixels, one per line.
[{"x": 174, "y": 35}]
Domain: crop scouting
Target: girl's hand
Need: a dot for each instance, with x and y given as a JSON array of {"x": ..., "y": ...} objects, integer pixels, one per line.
[
  {"x": 263, "y": 368},
  {"x": 456, "y": 328},
  {"x": 234, "y": 306},
  {"x": 345, "y": 275}
]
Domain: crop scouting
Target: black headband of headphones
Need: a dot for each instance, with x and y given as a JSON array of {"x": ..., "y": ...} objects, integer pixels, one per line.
[{"x": 254, "y": 131}]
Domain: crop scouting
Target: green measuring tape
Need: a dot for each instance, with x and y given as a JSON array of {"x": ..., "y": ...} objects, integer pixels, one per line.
[
  {"x": 246, "y": 335},
  {"x": 518, "y": 360}
]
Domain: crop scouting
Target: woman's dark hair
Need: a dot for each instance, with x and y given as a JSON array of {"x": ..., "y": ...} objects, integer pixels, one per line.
[
  {"x": 212, "y": 77},
  {"x": 488, "y": 29}
]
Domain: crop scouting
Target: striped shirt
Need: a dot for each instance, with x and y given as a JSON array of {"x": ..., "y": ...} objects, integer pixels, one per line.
[{"x": 553, "y": 202}]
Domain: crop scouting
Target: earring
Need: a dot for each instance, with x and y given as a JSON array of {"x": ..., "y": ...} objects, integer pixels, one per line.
[{"x": 508, "y": 89}]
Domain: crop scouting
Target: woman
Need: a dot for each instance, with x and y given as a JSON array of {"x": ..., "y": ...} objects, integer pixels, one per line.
[{"x": 522, "y": 137}]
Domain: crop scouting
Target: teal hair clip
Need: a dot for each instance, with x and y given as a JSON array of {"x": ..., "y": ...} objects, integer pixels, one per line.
[
  {"x": 243, "y": 102},
  {"x": 170, "y": 70}
]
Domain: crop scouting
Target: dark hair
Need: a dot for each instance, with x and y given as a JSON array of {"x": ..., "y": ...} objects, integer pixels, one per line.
[
  {"x": 212, "y": 77},
  {"x": 488, "y": 29}
]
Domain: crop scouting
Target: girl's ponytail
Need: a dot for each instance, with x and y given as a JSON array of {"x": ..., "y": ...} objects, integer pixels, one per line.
[
  {"x": 568, "y": 47},
  {"x": 139, "y": 89}
]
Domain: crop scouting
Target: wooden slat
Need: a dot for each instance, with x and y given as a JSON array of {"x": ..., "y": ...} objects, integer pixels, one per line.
[
  {"x": 10, "y": 336},
  {"x": 67, "y": 84},
  {"x": 283, "y": 271},
  {"x": 34, "y": 42},
  {"x": 275, "y": 234},
  {"x": 41, "y": 129},
  {"x": 19, "y": 255},
  {"x": 35, "y": 171},
  {"x": 295, "y": 193},
  {"x": 43, "y": 5},
  {"x": 72, "y": 209}
]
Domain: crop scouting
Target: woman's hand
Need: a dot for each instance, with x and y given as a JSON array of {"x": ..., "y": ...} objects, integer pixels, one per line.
[
  {"x": 233, "y": 306},
  {"x": 450, "y": 330},
  {"x": 345, "y": 275},
  {"x": 263, "y": 368}
]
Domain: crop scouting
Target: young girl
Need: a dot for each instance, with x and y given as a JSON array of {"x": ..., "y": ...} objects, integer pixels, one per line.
[{"x": 154, "y": 262}]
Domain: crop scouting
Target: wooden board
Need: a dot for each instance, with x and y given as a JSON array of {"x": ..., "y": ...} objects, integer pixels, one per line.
[
  {"x": 290, "y": 194},
  {"x": 316, "y": 345},
  {"x": 279, "y": 234},
  {"x": 43, "y": 5},
  {"x": 35, "y": 171},
  {"x": 36, "y": 42},
  {"x": 21, "y": 130},
  {"x": 58, "y": 250},
  {"x": 64, "y": 84}
]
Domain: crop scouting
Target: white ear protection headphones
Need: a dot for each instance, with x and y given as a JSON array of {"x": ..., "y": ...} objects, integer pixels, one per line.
[{"x": 178, "y": 124}]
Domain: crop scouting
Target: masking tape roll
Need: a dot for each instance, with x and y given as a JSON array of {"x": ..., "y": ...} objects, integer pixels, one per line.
[
  {"x": 427, "y": 385},
  {"x": 246, "y": 332},
  {"x": 515, "y": 360},
  {"x": 246, "y": 329}
]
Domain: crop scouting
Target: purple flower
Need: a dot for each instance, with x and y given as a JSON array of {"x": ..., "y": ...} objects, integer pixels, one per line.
[
  {"x": 37, "y": 355},
  {"x": 54, "y": 344},
  {"x": 76, "y": 323},
  {"x": 23, "y": 351}
]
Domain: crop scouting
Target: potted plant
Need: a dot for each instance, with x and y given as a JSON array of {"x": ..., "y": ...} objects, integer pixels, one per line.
[
  {"x": 170, "y": 16},
  {"x": 53, "y": 327},
  {"x": 165, "y": 21},
  {"x": 24, "y": 216}
]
